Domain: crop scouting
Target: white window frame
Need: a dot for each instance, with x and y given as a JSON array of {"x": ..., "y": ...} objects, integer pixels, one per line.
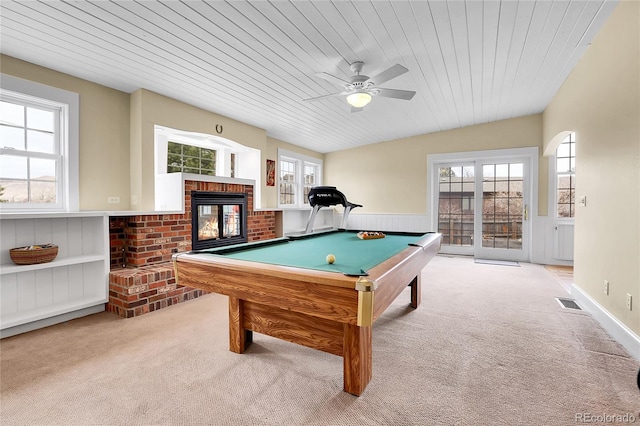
[
  {"x": 223, "y": 147},
  {"x": 554, "y": 178},
  {"x": 301, "y": 160},
  {"x": 219, "y": 162},
  {"x": 68, "y": 104}
]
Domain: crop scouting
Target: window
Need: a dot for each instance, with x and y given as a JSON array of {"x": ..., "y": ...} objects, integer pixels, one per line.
[
  {"x": 310, "y": 175},
  {"x": 38, "y": 148},
  {"x": 565, "y": 178},
  {"x": 297, "y": 175},
  {"x": 288, "y": 182},
  {"x": 190, "y": 159},
  {"x": 180, "y": 151}
]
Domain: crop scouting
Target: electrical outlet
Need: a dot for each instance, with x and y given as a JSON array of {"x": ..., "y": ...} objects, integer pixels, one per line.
[
  {"x": 113, "y": 200},
  {"x": 606, "y": 287},
  {"x": 628, "y": 301}
]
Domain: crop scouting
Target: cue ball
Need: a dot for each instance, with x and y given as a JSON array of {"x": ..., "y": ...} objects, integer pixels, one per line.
[{"x": 331, "y": 258}]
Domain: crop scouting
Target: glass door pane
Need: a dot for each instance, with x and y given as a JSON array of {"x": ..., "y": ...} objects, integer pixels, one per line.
[
  {"x": 208, "y": 222},
  {"x": 503, "y": 210},
  {"x": 231, "y": 220},
  {"x": 456, "y": 208}
]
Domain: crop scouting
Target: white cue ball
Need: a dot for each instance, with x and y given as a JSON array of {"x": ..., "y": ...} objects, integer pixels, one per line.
[{"x": 331, "y": 258}]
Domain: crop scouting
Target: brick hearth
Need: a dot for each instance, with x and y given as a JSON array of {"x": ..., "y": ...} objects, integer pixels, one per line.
[{"x": 142, "y": 279}]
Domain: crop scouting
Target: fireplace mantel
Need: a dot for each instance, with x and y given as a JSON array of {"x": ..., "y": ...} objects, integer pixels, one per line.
[{"x": 170, "y": 190}]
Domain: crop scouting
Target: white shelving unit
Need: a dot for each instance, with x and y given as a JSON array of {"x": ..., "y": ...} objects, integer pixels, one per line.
[{"x": 74, "y": 284}]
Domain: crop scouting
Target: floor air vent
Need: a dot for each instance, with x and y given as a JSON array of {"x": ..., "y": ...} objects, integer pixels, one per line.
[{"x": 568, "y": 303}]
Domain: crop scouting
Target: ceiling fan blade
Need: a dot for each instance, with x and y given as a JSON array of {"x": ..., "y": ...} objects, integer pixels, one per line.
[
  {"x": 332, "y": 78},
  {"x": 331, "y": 95},
  {"x": 395, "y": 93},
  {"x": 388, "y": 74}
]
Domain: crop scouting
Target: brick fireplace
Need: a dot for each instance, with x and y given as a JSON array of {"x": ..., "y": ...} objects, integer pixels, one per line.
[{"x": 142, "y": 279}]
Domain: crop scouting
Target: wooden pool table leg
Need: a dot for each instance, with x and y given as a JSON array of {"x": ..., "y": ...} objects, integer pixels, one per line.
[
  {"x": 416, "y": 292},
  {"x": 239, "y": 338},
  {"x": 357, "y": 358}
]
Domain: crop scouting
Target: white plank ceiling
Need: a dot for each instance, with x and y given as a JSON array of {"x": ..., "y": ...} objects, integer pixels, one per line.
[{"x": 470, "y": 62}]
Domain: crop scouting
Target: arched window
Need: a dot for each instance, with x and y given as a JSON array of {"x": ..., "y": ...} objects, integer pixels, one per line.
[{"x": 566, "y": 177}]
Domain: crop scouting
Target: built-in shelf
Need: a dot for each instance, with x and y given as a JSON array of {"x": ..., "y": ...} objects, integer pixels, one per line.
[
  {"x": 16, "y": 320},
  {"x": 57, "y": 262},
  {"x": 75, "y": 281}
]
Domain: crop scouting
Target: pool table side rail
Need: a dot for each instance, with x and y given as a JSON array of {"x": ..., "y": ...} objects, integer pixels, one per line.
[
  {"x": 279, "y": 286},
  {"x": 394, "y": 274},
  {"x": 277, "y": 271}
]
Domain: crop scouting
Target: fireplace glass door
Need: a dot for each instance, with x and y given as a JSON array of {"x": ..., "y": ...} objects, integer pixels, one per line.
[
  {"x": 219, "y": 219},
  {"x": 231, "y": 218},
  {"x": 208, "y": 228}
]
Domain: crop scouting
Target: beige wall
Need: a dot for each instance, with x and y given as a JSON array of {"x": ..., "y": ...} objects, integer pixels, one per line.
[
  {"x": 391, "y": 177},
  {"x": 600, "y": 102},
  {"x": 103, "y": 135}
]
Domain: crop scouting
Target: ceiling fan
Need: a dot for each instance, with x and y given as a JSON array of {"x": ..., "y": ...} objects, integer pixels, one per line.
[{"x": 359, "y": 88}]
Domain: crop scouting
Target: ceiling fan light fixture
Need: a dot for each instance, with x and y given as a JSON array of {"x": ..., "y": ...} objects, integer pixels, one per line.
[{"x": 358, "y": 99}]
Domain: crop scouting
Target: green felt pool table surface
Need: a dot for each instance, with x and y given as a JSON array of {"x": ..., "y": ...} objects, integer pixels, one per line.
[{"x": 354, "y": 256}]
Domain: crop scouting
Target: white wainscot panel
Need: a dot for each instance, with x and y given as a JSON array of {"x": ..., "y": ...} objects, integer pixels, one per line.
[
  {"x": 94, "y": 283},
  {"x": 76, "y": 282},
  {"x": 44, "y": 288},
  {"x": 387, "y": 222},
  {"x": 74, "y": 237},
  {"x": 8, "y": 240},
  {"x": 26, "y": 291},
  {"x": 563, "y": 239},
  {"x": 60, "y": 285},
  {"x": 295, "y": 221},
  {"x": 59, "y": 236},
  {"x": 9, "y": 295}
]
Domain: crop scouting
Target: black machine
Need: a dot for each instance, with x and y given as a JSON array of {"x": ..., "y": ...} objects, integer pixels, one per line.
[{"x": 327, "y": 196}]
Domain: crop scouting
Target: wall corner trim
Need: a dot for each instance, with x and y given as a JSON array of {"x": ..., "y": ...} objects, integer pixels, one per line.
[{"x": 620, "y": 332}]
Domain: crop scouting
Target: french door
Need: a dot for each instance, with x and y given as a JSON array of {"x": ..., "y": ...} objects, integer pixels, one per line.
[{"x": 482, "y": 207}]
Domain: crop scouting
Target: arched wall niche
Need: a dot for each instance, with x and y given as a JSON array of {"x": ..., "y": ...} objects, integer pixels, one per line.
[{"x": 555, "y": 142}]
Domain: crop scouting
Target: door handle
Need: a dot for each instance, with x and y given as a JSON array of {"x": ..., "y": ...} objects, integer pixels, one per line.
[{"x": 526, "y": 212}]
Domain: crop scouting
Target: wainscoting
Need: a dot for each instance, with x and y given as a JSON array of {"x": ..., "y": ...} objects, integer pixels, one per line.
[
  {"x": 385, "y": 222},
  {"x": 563, "y": 241}
]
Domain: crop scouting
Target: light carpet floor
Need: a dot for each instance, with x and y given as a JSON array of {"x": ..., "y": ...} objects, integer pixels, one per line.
[{"x": 489, "y": 345}]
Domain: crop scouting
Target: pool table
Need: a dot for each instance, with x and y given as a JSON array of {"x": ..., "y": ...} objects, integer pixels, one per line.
[{"x": 285, "y": 288}]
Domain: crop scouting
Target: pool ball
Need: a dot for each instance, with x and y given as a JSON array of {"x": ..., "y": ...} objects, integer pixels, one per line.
[{"x": 331, "y": 258}]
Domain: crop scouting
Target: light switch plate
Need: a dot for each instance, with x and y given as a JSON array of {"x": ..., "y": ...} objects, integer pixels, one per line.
[{"x": 582, "y": 200}]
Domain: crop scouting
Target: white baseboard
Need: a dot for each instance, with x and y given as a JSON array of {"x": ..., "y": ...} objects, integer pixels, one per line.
[{"x": 620, "y": 332}]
